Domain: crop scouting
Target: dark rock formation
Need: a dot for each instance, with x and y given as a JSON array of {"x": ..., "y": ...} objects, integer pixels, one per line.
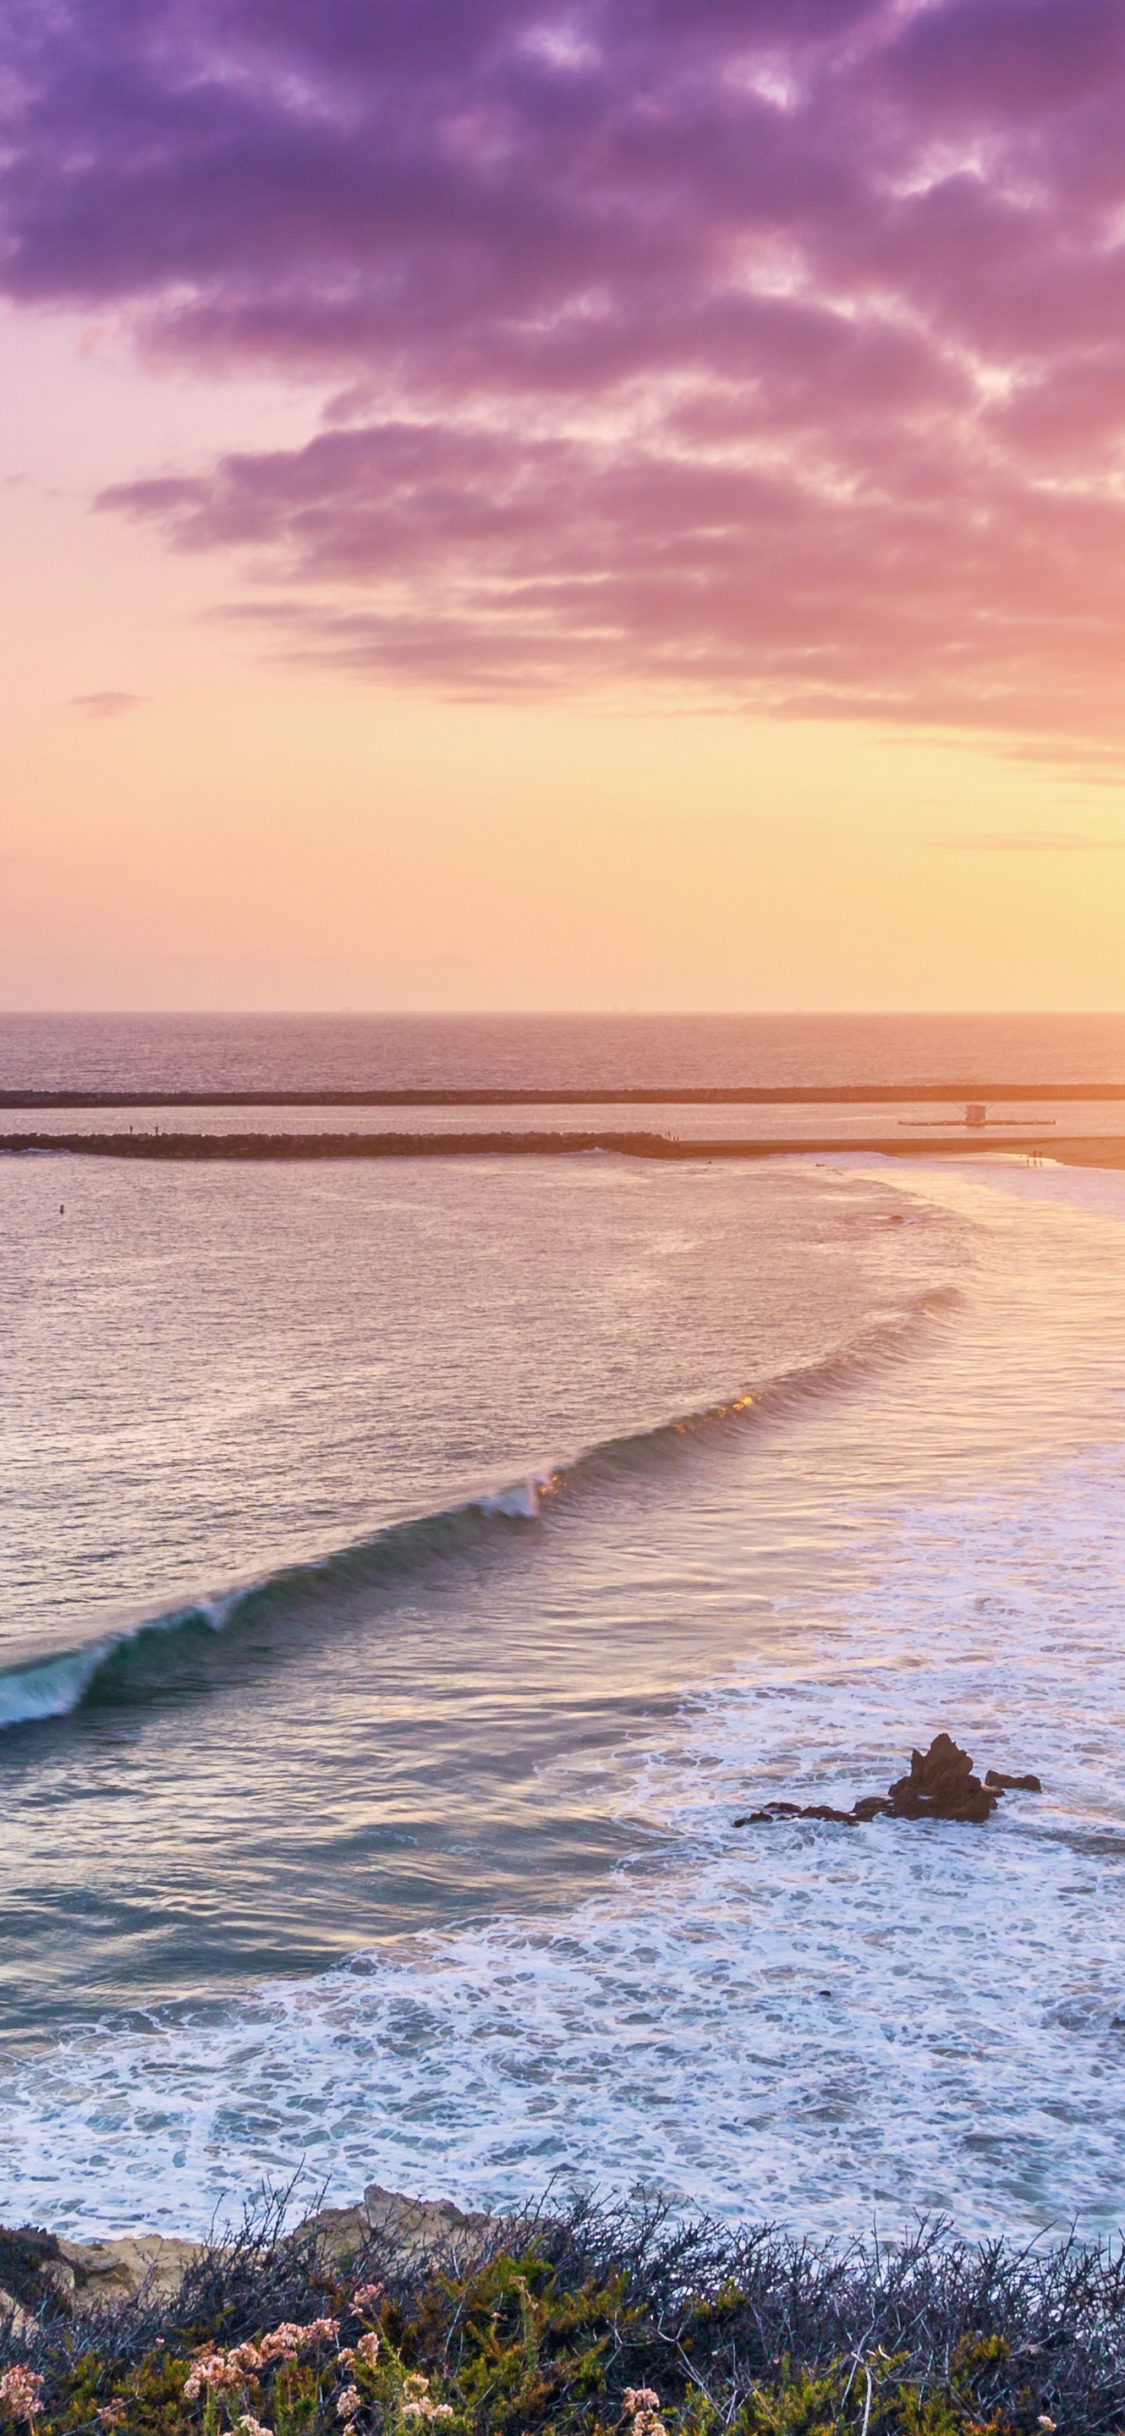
[
  {"x": 941, "y": 1785},
  {"x": 872, "y": 1806},
  {"x": 793, "y": 1810}
]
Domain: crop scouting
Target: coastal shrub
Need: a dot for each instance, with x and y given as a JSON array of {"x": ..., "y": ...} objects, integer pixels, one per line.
[{"x": 588, "y": 2323}]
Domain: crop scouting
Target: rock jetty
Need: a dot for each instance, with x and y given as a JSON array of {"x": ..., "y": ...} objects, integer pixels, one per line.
[{"x": 940, "y": 1785}]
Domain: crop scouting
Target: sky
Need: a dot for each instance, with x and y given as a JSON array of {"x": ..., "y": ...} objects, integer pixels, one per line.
[{"x": 506, "y": 504}]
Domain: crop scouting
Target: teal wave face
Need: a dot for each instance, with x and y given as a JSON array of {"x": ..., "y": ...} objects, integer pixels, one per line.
[{"x": 131, "y": 1663}]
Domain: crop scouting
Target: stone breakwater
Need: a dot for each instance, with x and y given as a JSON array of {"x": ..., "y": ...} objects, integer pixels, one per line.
[{"x": 1093, "y": 1150}]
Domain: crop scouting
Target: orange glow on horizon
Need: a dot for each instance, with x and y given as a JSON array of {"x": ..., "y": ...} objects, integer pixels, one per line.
[{"x": 194, "y": 820}]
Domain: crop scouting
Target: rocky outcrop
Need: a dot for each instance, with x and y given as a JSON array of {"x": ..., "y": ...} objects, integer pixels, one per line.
[
  {"x": 412, "y": 2228},
  {"x": 773, "y": 1813},
  {"x": 940, "y": 1785},
  {"x": 154, "y": 2262},
  {"x": 40, "y": 2270}
]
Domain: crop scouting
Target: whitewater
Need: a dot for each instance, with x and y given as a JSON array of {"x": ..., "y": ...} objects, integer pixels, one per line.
[{"x": 401, "y": 1846}]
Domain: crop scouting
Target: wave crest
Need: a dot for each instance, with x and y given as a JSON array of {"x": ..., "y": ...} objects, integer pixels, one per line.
[{"x": 53, "y": 1683}]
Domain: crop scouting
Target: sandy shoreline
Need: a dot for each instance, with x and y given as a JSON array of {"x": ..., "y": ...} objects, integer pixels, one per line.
[{"x": 1089, "y": 1151}]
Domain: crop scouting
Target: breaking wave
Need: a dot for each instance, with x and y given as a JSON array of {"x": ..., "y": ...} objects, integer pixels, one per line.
[{"x": 52, "y": 1683}]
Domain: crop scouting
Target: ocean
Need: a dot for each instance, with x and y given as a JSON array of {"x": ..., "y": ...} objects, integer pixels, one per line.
[{"x": 409, "y": 1572}]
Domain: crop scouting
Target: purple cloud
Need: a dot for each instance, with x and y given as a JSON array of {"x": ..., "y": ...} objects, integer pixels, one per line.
[{"x": 769, "y": 347}]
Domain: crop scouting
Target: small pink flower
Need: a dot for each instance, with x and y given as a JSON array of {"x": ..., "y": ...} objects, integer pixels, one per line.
[
  {"x": 288, "y": 2339},
  {"x": 642, "y": 2406},
  {"x": 417, "y": 2403},
  {"x": 367, "y": 2299},
  {"x": 21, "y": 2390},
  {"x": 196, "y": 2379},
  {"x": 283, "y": 2344},
  {"x": 213, "y": 2369},
  {"x": 347, "y": 2403}
]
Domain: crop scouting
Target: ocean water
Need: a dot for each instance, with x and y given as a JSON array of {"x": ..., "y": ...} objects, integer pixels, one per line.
[
  {"x": 418, "y": 1052},
  {"x": 406, "y": 1581}
]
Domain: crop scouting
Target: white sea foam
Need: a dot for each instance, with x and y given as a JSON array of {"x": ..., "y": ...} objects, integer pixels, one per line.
[
  {"x": 50, "y": 1687},
  {"x": 813, "y": 2023},
  {"x": 823, "y": 2024},
  {"x": 522, "y": 1501},
  {"x": 55, "y": 1683}
]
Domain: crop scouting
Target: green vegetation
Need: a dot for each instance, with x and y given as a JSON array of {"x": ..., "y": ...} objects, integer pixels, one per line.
[{"x": 579, "y": 2326}]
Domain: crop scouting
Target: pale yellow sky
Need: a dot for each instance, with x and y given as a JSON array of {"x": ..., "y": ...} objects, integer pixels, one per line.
[{"x": 253, "y": 831}]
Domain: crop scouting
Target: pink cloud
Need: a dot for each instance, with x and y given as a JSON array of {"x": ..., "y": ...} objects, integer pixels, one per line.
[
  {"x": 105, "y": 705},
  {"x": 768, "y": 347}
]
